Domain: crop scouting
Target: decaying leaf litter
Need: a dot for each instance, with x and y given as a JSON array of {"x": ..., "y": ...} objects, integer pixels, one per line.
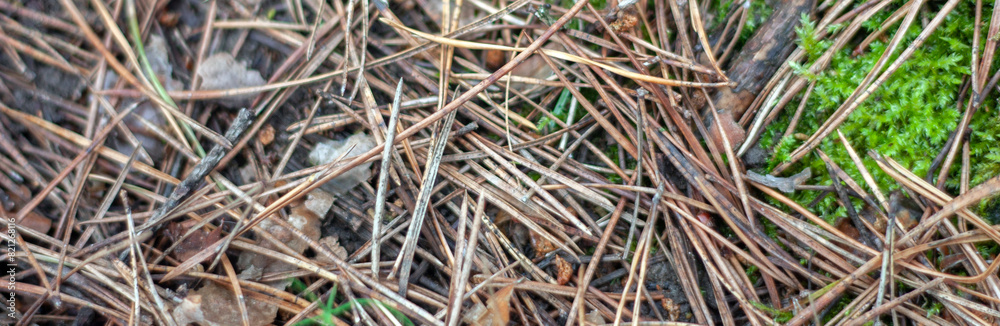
[{"x": 550, "y": 163}]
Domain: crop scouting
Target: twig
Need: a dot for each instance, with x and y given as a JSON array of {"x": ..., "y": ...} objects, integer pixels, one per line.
[{"x": 383, "y": 182}]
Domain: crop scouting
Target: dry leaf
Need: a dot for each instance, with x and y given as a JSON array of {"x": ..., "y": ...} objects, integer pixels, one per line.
[
  {"x": 216, "y": 305},
  {"x": 300, "y": 218},
  {"x": 672, "y": 308},
  {"x": 168, "y": 19},
  {"x": 541, "y": 245},
  {"x": 734, "y": 131},
  {"x": 194, "y": 243},
  {"x": 32, "y": 220},
  {"x": 497, "y": 308},
  {"x": 147, "y": 115},
  {"x": 533, "y": 67},
  {"x": 266, "y": 135},
  {"x": 495, "y": 59},
  {"x": 845, "y": 226},
  {"x": 189, "y": 311},
  {"x": 319, "y": 202},
  {"x": 471, "y": 316},
  {"x": 465, "y": 17},
  {"x": 906, "y": 210},
  {"x": 36, "y": 222},
  {"x": 625, "y": 22},
  {"x": 564, "y": 270},
  {"x": 706, "y": 219}
]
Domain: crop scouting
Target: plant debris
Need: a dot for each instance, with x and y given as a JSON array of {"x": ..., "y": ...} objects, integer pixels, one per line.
[
  {"x": 331, "y": 150},
  {"x": 786, "y": 185},
  {"x": 563, "y": 163},
  {"x": 221, "y": 71}
]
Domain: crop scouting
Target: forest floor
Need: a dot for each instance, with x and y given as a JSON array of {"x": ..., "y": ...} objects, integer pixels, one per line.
[{"x": 297, "y": 162}]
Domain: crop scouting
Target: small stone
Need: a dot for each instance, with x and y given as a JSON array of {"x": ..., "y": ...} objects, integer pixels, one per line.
[
  {"x": 328, "y": 151},
  {"x": 221, "y": 71},
  {"x": 319, "y": 202},
  {"x": 595, "y": 318}
]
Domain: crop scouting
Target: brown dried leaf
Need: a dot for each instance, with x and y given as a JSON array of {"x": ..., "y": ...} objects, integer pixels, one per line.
[
  {"x": 627, "y": 19},
  {"x": 497, "y": 308},
  {"x": 706, "y": 219},
  {"x": 533, "y": 67},
  {"x": 266, "y": 135},
  {"x": 495, "y": 59},
  {"x": 541, "y": 245},
  {"x": 301, "y": 218},
  {"x": 471, "y": 316},
  {"x": 906, "y": 210},
  {"x": 845, "y": 226},
  {"x": 214, "y": 304},
  {"x": 564, "y": 270},
  {"x": 330, "y": 150},
  {"x": 733, "y": 130},
  {"x": 194, "y": 243},
  {"x": 189, "y": 311},
  {"x": 36, "y": 222},
  {"x": 10, "y": 200}
]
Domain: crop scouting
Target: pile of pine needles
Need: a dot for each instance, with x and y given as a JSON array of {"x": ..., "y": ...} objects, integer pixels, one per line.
[{"x": 606, "y": 190}]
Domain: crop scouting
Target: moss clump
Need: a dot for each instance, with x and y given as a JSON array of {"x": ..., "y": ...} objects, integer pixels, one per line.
[
  {"x": 908, "y": 119},
  {"x": 778, "y": 316},
  {"x": 759, "y": 12}
]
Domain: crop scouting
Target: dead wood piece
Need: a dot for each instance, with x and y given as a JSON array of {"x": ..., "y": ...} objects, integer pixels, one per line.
[
  {"x": 786, "y": 185},
  {"x": 202, "y": 169},
  {"x": 753, "y": 68},
  {"x": 761, "y": 56}
]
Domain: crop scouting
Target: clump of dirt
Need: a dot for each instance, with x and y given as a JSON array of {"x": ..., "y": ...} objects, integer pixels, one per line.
[
  {"x": 661, "y": 275},
  {"x": 48, "y": 84}
]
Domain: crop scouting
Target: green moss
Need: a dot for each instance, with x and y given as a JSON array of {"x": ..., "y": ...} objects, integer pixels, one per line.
[
  {"x": 908, "y": 118},
  {"x": 988, "y": 250},
  {"x": 612, "y": 153},
  {"x": 753, "y": 273},
  {"x": 722, "y": 8},
  {"x": 933, "y": 309},
  {"x": 771, "y": 230},
  {"x": 839, "y": 306},
  {"x": 779, "y": 316},
  {"x": 990, "y": 210},
  {"x": 759, "y": 12},
  {"x": 560, "y": 111}
]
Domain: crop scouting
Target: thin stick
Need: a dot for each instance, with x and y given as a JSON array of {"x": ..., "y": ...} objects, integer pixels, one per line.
[
  {"x": 423, "y": 198},
  {"x": 383, "y": 181}
]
